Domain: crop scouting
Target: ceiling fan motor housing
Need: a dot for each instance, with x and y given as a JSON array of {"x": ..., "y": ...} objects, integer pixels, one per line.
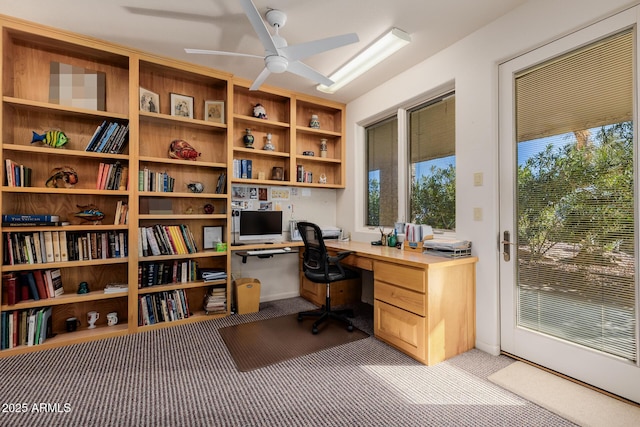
[{"x": 276, "y": 64}]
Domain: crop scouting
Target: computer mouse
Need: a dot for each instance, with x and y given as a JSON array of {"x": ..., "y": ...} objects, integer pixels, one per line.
[{"x": 287, "y": 248}]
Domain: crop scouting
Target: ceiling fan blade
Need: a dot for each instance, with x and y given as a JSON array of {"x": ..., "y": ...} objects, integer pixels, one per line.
[
  {"x": 259, "y": 26},
  {"x": 304, "y": 50},
  {"x": 218, "y": 52},
  {"x": 260, "y": 79},
  {"x": 303, "y": 70}
]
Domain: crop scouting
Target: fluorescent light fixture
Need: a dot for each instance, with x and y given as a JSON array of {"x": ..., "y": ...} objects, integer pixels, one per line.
[{"x": 384, "y": 47}]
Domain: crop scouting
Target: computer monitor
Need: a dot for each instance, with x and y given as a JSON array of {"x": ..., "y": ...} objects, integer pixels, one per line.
[{"x": 260, "y": 226}]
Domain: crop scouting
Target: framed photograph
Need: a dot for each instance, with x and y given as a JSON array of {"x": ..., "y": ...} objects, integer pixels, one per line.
[
  {"x": 214, "y": 111},
  {"x": 211, "y": 236},
  {"x": 149, "y": 101},
  {"x": 181, "y": 105}
]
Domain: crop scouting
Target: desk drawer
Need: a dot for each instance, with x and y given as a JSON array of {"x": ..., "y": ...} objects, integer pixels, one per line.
[
  {"x": 406, "y": 277},
  {"x": 358, "y": 262},
  {"x": 412, "y": 301},
  {"x": 401, "y": 329}
]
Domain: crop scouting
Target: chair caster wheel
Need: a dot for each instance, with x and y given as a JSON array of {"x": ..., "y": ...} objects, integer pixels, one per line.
[
  {"x": 350, "y": 328},
  {"x": 314, "y": 331}
]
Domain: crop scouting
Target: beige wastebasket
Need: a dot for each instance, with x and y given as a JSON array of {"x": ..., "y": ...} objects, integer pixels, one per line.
[{"x": 247, "y": 295}]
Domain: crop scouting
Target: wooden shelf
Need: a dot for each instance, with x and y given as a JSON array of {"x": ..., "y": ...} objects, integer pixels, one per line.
[{"x": 24, "y": 91}]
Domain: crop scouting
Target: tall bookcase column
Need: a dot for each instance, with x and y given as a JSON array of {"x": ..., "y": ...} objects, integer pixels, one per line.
[
  {"x": 327, "y": 167},
  {"x": 94, "y": 253},
  {"x": 180, "y": 195},
  {"x": 257, "y": 165}
]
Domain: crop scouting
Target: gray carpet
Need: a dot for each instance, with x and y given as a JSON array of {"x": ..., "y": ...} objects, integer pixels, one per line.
[{"x": 184, "y": 376}]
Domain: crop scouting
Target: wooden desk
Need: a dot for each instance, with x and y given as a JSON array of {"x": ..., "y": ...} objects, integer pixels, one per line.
[{"x": 423, "y": 305}]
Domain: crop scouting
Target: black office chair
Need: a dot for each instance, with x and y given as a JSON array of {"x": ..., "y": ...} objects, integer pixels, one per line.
[{"x": 319, "y": 267}]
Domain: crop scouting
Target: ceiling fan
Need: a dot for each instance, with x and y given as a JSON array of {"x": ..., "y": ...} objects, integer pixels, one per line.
[{"x": 278, "y": 56}]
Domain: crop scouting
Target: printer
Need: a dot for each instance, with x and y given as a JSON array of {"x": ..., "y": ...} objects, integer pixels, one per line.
[{"x": 328, "y": 232}]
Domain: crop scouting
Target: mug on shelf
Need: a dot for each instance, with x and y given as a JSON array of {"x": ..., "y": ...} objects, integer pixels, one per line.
[
  {"x": 72, "y": 324},
  {"x": 112, "y": 318}
]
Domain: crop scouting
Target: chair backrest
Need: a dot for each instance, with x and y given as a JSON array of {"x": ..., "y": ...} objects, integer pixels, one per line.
[{"x": 315, "y": 252}]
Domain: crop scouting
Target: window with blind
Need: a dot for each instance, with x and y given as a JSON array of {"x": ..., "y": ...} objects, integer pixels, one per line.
[
  {"x": 382, "y": 173},
  {"x": 575, "y": 197},
  {"x": 432, "y": 198}
]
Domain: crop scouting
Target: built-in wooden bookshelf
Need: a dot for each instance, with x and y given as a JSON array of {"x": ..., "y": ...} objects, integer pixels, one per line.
[{"x": 27, "y": 51}]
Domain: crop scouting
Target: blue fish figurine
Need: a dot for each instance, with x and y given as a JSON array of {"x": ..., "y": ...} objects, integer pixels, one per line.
[{"x": 53, "y": 138}]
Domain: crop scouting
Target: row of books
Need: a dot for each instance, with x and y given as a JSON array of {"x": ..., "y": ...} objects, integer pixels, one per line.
[
  {"x": 242, "y": 168},
  {"x": 164, "y": 272},
  {"x": 42, "y": 247},
  {"x": 215, "y": 301},
  {"x": 161, "y": 307},
  {"x": 25, "y": 327},
  {"x": 31, "y": 285},
  {"x": 17, "y": 175},
  {"x": 160, "y": 182},
  {"x": 109, "y": 137},
  {"x": 112, "y": 176},
  {"x": 122, "y": 213},
  {"x": 166, "y": 240}
]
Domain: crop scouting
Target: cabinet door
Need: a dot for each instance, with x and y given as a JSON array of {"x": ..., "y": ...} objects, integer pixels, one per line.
[{"x": 404, "y": 330}]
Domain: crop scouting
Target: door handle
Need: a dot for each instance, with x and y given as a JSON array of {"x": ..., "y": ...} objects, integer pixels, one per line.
[{"x": 506, "y": 242}]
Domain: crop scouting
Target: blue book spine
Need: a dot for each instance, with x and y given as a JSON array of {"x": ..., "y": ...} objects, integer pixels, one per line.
[{"x": 30, "y": 218}]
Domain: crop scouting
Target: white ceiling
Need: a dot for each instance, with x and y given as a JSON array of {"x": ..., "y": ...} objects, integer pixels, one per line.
[{"x": 166, "y": 27}]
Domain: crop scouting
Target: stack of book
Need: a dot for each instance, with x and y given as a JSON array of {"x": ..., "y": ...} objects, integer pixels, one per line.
[
  {"x": 165, "y": 306},
  {"x": 112, "y": 176},
  {"x": 242, "y": 168},
  {"x": 25, "y": 327},
  {"x": 160, "y": 182},
  {"x": 17, "y": 175},
  {"x": 212, "y": 274},
  {"x": 109, "y": 137},
  {"x": 216, "y": 300},
  {"x": 164, "y": 272},
  {"x": 31, "y": 285},
  {"x": 166, "y": 240},
  {"x": 114, "y": 288},
  {"x": 31, "y": 220}
]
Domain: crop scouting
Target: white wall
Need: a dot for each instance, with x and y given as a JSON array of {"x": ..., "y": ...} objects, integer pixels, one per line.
[{"x": 471, "y": 66}]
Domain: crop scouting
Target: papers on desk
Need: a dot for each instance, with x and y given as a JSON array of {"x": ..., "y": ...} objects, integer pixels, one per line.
[{"x": 447, "y": 247}]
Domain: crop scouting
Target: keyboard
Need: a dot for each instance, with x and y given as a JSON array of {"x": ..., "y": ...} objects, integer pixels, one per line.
[{"x": 267, "y": 252}]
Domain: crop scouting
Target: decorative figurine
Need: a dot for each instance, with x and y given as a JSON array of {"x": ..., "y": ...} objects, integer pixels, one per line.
[
  {"x": 314, "y": 123},
  {"x": 83, "y": 288},
  {"x": 323, "y": 147},
  {"x": 64, "y": 175},
  {"x": 248, "y": 139},
  {"x": 180, "y": 149},
  {"x": 53, "y": 138},
  {"x": 269, "y": 146},
  {"x": 196, "y": 187},
  {"x": 208, "y": 209},
  {"x": 322, "y": 179},
  {"x": 259, "y": 112},
  {"x": 89, "y": 213}
]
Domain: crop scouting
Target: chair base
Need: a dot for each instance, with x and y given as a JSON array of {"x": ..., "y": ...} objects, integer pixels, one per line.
[{"x": 323, "y": 315}]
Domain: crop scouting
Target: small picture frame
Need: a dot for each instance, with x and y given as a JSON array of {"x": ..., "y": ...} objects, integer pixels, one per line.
[
  {"x": 214, "y": 111},
  {"x": 181, "y": 105},
  {"x": 211, "y": 237},
  {"x": 149, "y": 101}
]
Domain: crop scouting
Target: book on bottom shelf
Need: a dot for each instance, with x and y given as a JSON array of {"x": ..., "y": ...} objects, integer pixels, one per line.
[
  {"x": 25, "y": 327},
  {"x": 167, "y": 306}
]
